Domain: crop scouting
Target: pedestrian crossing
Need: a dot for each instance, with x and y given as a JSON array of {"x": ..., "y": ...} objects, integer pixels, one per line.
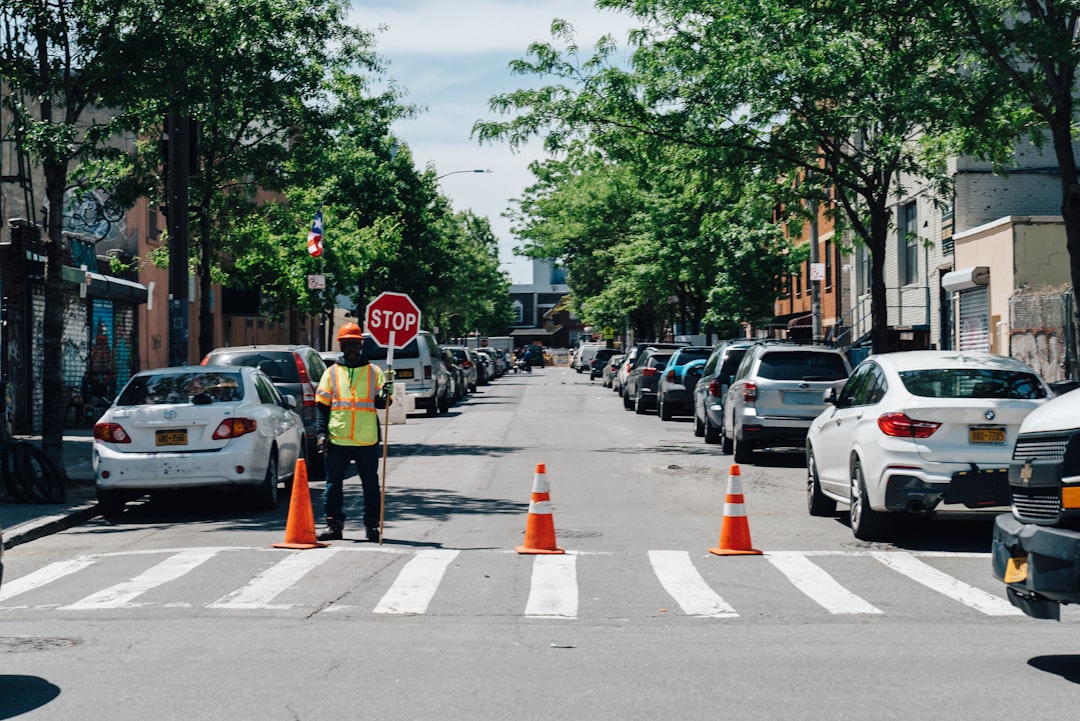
[{"x": 387, "y": 581}]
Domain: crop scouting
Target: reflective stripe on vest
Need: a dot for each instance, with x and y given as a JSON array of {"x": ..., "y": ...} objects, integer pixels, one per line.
[{"x": 353, "y": 421}]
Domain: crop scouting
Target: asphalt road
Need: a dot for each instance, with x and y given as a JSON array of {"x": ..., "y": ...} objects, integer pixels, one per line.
[{"x": 182, "y": 610}]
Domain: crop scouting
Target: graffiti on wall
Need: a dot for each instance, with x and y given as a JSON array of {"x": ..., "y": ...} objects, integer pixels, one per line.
[
  {"x": 1044, "y": 349},
  {"x": 88, "y": 213}
]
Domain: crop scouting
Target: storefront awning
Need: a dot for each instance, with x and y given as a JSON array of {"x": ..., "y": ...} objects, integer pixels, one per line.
[{"x": 107, "y": 286}]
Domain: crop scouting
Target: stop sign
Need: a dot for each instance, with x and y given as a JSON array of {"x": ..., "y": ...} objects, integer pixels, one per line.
[{"x": 392, "y": 313}]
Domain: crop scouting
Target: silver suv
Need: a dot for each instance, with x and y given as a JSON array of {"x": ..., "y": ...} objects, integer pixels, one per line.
[{"x": 776, "y": 393}]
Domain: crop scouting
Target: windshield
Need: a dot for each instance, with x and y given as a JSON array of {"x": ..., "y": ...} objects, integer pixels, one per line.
[{"x": 972, "y": 383}]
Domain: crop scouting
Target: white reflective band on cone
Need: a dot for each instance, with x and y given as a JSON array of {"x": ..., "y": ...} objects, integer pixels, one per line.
[
  {"x": 540, "y": 484},
  {"x": 734, "y": 510},
  {"x": 541, "y": 508}
]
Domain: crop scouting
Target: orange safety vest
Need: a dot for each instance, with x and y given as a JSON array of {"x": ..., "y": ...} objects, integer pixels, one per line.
[{"x": 350, "y": 393}]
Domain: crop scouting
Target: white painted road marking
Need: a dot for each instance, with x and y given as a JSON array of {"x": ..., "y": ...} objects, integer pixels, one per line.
[
  {"x": 554, "y": 591},
  {"x": 280, "y": 577},
  {"x": 122, "y": 594},
  {"x": 822, "y": 588},
  {"x": 416, "y": 584},
  {"x": 945, "y": 584},
  {"x": 681, "y": 580}
]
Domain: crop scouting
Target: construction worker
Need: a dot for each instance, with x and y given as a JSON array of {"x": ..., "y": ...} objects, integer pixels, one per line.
[{"x": 347, "y": 429}]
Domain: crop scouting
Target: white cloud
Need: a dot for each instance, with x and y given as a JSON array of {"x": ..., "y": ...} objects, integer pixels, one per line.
[
  {"x": 437, "y": 27},
  {"x": 451, "y": 57}
]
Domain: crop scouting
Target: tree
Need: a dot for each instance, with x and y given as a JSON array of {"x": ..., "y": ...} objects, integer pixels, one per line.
[
  {"x": 1028, "y": 47},
  {"x": 63, "y": 59},
  {"x": 816, "y": 90}
]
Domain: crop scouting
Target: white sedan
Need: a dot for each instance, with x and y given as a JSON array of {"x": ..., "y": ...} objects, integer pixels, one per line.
[
  {"x": 919, "y": 432},
  {"x": 196, "y": 426}
]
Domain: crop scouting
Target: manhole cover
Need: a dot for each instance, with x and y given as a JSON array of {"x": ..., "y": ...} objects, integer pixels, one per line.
[
  {"x": 9, "y": 644},
  {"x": 576, "y": 533}
]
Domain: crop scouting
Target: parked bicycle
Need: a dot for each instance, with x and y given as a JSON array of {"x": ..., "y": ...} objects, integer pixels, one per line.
[{"x": 29, "y": 475}]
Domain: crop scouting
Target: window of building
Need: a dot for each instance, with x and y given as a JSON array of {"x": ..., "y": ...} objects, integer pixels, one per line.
[
  {"x": 828, "y": 264},
  {"x": 909, "y": 243},
  {"x": 863, "y": 254},
  {"x": 519, "y": 311}
]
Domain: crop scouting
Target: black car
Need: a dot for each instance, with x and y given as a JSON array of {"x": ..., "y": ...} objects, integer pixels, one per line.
[
  {"x": 596, "y": 365},
  {"x": 294, "y": 370},
  {"x": 639, "y": 394}
]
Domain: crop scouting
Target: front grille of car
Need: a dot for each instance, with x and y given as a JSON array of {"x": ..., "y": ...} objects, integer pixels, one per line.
[
  {"x": 1042, "y": 506},
  {"x": 1041, "y": 449}
]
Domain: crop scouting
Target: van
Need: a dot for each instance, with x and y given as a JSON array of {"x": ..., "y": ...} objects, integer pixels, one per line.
[
  {"x": 419, "y": 365},
  {"x": 583, "y": 356}
]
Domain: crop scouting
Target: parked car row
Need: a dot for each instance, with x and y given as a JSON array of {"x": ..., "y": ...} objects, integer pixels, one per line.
[
  {"x": 245, "y": 416},
  {"x": 913, "y": 432}
]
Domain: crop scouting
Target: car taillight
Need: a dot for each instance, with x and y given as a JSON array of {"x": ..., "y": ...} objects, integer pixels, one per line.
[
  {"x": 671, "y": 376},
  {"x": 427, "y": 373},
  {"x": 205, "y": 360},
  {"x": 900, "y": 425},
  {"x": 749, "y": 392},
  {"x": 111, "y": 433},
  {"x": 234, "y": 428},
  {"x": 466, "y": 364},
  {"x": 649, "y": 372},
  {"x": 716, "y": 388}
]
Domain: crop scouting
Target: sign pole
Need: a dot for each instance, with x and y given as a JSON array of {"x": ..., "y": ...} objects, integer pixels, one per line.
[{"x": 386, "y": 435}]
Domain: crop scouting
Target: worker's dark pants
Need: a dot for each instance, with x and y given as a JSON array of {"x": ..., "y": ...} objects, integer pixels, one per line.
[{"x": 367, "y": 467}]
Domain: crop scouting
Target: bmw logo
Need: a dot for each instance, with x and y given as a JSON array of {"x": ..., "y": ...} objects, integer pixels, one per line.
[
  {"x": 989, "y": 415},
  {"x": 169, "y": 415}
]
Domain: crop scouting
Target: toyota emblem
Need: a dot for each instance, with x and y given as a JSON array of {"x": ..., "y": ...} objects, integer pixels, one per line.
[
  {"x": 169, "y": 415},
  {"x": 989, "y": 415}
]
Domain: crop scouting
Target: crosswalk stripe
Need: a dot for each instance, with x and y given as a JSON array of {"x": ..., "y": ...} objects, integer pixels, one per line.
[
  {"x": 679, "y": 577},
  {"x": 415, "y": 586},
  {"x": 122, "y": 594},
  {"x": 42, "y": 576},
  {"x": 554, "y": 592},
  {"x": 818, "y": 585},
  {"x": 283, "y": 575},
  {"x": 945, "y": 584}
]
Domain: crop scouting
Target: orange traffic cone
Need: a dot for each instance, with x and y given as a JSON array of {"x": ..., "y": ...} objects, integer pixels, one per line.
[
  {"x": 540, "y": 527},
  {"x": 300, "y": 526},
  {"x": 735, "y": 528}
]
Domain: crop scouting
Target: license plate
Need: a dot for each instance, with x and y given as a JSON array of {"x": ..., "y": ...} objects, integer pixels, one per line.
[
  {"x": 987, "y": 435},
  {"x": 404, "y": 373},
  {"x": 802, "y": 398},
  {"x": 1016, "y": 570},
  {"x": 171, "y": 438}
]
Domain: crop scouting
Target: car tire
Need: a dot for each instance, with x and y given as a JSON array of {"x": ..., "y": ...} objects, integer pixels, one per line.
[
  {"x": 712, "y": 433},
  {"x": 627, "y": 404},
  {"x": 699, "y": 427},
  {"x": 664, "y": 410},
  {"x": 726, "y": 444},
  {"x": 817, "y": 503},
  {"x": 743, "y": 450},
  {"x": 639, "y": 404},
  {"x": 265, "y": 497},
  {"x": 866, "y": 523}
]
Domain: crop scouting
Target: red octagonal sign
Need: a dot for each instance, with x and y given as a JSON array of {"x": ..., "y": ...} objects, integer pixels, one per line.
[{"x": 392, "y": 314}]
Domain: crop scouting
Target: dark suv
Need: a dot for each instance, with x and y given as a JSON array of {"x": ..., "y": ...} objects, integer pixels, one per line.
[
  {"x": 294, "y": 369},
  {"x": 712, "y": 387}
]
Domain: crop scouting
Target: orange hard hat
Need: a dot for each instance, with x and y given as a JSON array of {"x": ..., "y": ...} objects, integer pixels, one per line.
[{"x": 350, "y": 331}]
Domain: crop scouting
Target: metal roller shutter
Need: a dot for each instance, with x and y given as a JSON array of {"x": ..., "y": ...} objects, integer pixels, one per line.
[{"x": 975, "y": 319}]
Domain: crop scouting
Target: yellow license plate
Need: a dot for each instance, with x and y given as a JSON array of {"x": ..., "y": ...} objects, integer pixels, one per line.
[
  {"x": 987, "y": 435},
  {"x": 404, "y": 373},
  {"x": 171, "y": 438},
  {"x": 1016, "y": 570}
]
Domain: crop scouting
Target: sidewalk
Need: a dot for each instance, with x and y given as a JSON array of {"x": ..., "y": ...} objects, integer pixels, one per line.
[{"x": 23, "y": 522}]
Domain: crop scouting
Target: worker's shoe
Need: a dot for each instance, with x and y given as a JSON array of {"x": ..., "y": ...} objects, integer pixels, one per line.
[
  {"x": 373, "y": 534},
  {"x": 334, "y": 529}
]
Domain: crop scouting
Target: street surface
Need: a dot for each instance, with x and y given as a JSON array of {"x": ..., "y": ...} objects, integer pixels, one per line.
[{"x": 182, "y": 610}]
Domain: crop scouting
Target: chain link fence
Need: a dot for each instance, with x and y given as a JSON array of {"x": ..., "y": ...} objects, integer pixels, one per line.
[{"x": 1042, "y": 331}]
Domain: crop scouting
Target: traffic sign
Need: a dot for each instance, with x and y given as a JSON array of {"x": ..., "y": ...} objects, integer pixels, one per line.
[{"x": 393, "y": 320}]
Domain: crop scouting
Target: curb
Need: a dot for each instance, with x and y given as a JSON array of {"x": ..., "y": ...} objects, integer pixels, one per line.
[{"x": 47, "y": 525}]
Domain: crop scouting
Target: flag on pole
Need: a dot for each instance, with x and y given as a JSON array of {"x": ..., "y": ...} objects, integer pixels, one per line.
[{"x": 314, "y": 238}]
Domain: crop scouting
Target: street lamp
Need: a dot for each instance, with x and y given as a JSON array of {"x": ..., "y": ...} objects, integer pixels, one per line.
[{"x": 455, "y": 172}]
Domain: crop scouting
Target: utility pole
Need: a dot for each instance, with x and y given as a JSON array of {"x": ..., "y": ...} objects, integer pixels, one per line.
[
  {"x": 815, "y": 291},
  {"x": 178, "y": 129}
]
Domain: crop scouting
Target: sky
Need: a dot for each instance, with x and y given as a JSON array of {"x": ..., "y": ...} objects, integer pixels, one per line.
[{"x": 451, "y": 58}]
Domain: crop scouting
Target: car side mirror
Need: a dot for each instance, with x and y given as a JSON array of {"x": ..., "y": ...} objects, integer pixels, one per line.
[
  {"x": 832, "y": 397},
  {"x": 290, "y": 402}
]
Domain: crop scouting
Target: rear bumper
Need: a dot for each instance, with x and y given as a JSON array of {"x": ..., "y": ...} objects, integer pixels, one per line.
[{"x": 1053, "y": 559}]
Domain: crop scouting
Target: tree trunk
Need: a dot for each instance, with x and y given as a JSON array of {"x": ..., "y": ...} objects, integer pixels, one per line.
[
  {"x": 53, "y": 407},
  {"x": 879, "y": 296},
  {"x": 1070, "y": 213},
  {"x": 206, "y": 313}
]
